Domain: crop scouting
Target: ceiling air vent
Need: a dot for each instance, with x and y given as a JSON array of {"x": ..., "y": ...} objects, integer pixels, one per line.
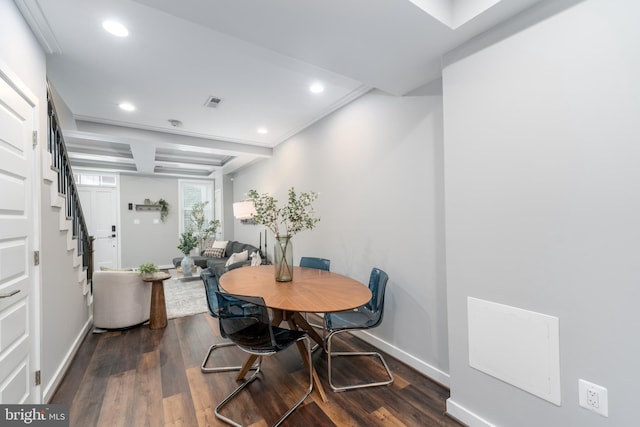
[{"x": 212, "y": 102}]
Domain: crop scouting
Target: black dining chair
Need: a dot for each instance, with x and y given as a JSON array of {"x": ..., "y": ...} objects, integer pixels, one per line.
[
  {"x": 245, "y": 321},
  {"x": 318, "y": 263},
  {"x": 211, "y": 286},
  {"x": 367, "y": 316}
]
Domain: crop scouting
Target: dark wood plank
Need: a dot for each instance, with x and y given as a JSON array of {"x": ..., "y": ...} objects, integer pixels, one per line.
[
  {"x": 127, "y": 359},
  {"x": 73, "y": 378},
  {"x": 147, "y": 410},
  {"x": 178, "y": 411},
  {"x": 142, "y": 377},
  {"x": 174, "y": 377},
  {"x": 85, "y": 409},
  {"x": 118, "y": 394},
  {"x": 203, "y": 401},
  {"x": 177, "y": 403},
  {"x": 195, "y": 335}
]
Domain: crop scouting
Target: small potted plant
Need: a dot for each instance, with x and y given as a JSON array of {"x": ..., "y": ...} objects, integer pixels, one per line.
[{"x": 148, "y": 269}]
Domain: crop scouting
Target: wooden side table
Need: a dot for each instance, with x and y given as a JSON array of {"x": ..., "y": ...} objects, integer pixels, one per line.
[{"x": 158, "y": 311}]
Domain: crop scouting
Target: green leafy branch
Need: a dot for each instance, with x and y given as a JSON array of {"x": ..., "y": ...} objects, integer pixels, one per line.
[
  {"x": 297, "y": 215},
  {"x": 202, "y": 228},
  {"x": 187, "y": 242}
]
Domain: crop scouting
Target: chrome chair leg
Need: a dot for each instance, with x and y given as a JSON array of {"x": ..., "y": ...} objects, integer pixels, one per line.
[
  {"x": 234, "y": 393},
  {"x": 331, "y": 354},
  {"x": 315, "y": 325},
  {"x": 254, "y": 376},
  {"x": 203, "y": 367},
  {"x": 309, "y": 390}
]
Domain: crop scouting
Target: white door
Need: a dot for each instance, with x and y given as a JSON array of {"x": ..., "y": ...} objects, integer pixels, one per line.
[
  {"x": 17, "y": 310},
  {"x": 100, "y": 211}
]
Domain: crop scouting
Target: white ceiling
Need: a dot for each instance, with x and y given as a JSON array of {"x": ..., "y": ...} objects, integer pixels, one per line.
[{"x": 259, "y": 57}]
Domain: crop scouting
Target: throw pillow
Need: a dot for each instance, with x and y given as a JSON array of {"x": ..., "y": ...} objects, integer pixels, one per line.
[
  {"x": 216, "y": 250},
  {"x": 237, "y": 257},
  {"x": 215, "y": 253},
  {"x": 220, "y": 243}
]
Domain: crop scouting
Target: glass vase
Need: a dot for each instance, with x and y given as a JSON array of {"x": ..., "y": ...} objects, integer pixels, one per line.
[
  {"x": 187, "y": 264},
  {"x": 283, "y": 259}
]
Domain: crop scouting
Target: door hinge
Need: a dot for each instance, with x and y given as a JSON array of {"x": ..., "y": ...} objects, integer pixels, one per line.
[
  {"x": 35, "y": 138},
  {"x": 38, "y": 378},
  {"x": 36, "y": 257}
]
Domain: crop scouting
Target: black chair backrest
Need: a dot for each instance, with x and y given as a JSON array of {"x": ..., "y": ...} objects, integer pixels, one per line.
[
  {"x": 211, "y": 286},
  {"x": 245, "y": 321},
  {"x": 319, "y": 263},
  {"x": 377, "y": 285}
]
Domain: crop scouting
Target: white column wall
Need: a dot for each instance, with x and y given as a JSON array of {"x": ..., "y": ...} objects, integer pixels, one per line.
[{"x": 543, "y": 203}]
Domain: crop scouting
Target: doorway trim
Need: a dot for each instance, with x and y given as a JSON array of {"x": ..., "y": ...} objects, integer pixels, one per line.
[
  {"x": 35, "y": 303},
  {"x": 104, "y": 173}
]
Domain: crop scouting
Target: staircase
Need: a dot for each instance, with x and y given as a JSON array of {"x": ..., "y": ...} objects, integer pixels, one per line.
[{"x": 57, "y": 173}]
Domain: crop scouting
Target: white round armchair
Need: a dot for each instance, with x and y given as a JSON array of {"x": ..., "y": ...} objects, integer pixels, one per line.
[{"x": 120, "y": 299}]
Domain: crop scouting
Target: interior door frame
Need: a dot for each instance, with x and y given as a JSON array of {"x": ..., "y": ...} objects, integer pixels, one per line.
[
  {"x": 34, "y": 208},
  {"x": 118, "y": 217}
]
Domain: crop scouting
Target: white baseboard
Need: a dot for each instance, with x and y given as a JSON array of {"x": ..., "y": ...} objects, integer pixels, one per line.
[
  {"x": 51, "y": 387},
  {"x": 465, "y": 416},
  {"x": 424, "y": 368}
]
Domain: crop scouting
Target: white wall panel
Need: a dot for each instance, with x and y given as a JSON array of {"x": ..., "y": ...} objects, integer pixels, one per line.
[
  {"x": 517, "y": 346},
  {"x": 13, "y": 260},
  {"x": 17, "y": 383},
  {"x": 12, "y": 325}
]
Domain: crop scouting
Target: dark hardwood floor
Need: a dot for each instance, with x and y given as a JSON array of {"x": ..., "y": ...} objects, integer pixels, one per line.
[{"x": 143, "y": 377}]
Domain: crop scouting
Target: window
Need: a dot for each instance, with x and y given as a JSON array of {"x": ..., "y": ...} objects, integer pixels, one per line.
[
  {"x": 95, "y": 180},
  {"x": 192, "y": 192}
]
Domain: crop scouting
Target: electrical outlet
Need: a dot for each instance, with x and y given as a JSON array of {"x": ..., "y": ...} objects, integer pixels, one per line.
[{"x": 593, "y": 397}]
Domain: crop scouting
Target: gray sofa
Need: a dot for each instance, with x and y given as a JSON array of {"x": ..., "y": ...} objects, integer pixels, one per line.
[{"x": 215, "y": 263}]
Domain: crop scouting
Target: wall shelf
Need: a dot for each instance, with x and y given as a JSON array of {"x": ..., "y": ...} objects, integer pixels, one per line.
[{"x": 148, "y": 207}]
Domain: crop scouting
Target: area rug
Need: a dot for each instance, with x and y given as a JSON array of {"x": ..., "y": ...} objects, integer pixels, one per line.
[{"x": 184, "y": 298}]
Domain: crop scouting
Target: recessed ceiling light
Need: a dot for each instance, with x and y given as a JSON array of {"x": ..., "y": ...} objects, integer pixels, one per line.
[
  {"x": 126, "y": 106},
  {"x": 263, "y": 131},
  {"x": 115, "y": 28},
  {"x": 316, "y": 88}
]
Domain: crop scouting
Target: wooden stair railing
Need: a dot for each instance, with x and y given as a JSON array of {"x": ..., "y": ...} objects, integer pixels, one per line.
[{"x": 67, "y": 189}]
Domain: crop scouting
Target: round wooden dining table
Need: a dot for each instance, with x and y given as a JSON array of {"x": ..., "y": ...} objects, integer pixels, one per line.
[{"x": 310, "y": 291}]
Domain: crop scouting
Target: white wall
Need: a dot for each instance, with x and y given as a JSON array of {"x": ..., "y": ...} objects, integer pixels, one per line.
[
  {"x": 21, "y": 51},
  {"x": 377, "y": 166},
  {"x": 543, "y": 206},
  {"x": 63, "y": 113},
  {"x": 148, "y": 241},
  {"x": 64, "y": 313}
]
